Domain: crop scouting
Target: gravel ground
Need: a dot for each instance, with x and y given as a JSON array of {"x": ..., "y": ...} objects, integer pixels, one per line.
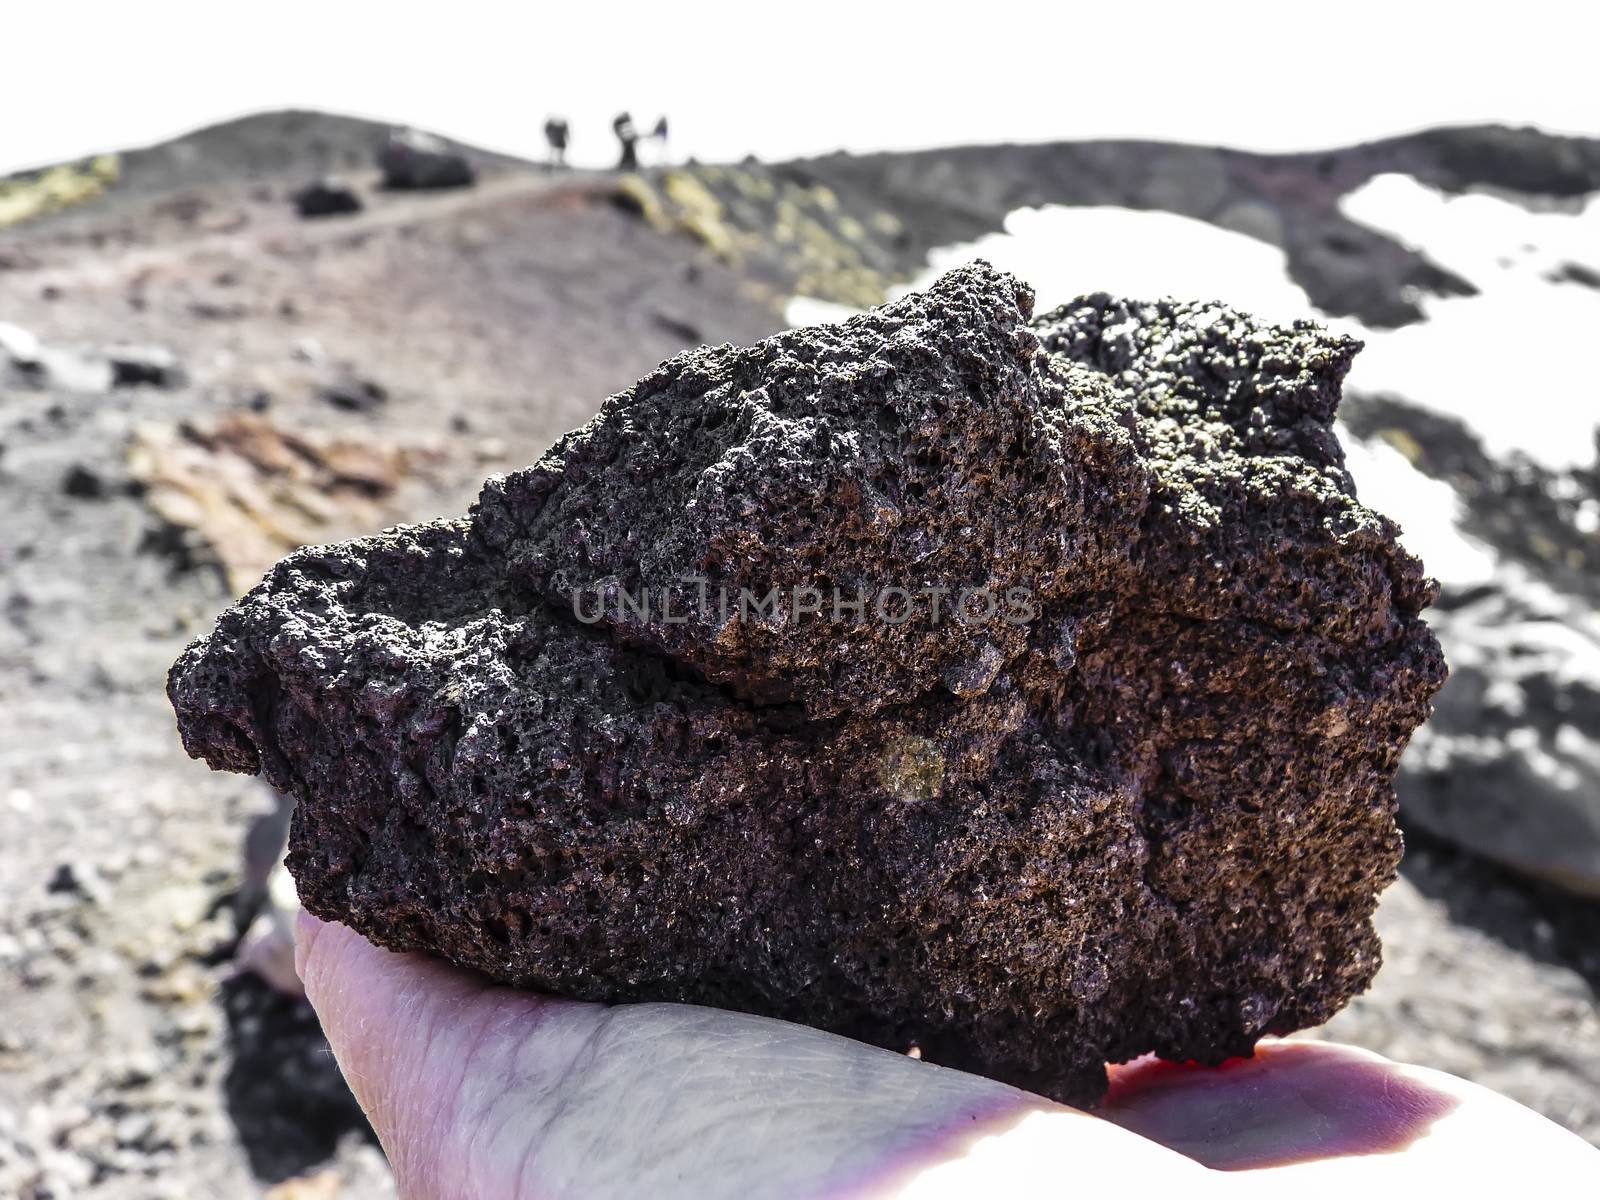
[{"x": 133, "y": 1060}]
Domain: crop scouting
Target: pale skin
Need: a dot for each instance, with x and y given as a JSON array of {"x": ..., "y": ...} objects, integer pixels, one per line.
[{"x": 478, "y": 1091}]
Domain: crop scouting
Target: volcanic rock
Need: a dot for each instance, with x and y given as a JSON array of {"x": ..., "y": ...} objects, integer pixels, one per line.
[
  {"x": 327, "y": 197},
  {"x": 1508, "y": 767},
  {"x": 241, "y": 491},
  {"x": 1142, "y": 802},
  {"x": 1572, "y": 272},
  {"x": 151, "y": 366},
  {"x": 410, "y": 158},
  {"x": 61, "y": 369},
  {"x": 83, "y": 483},
  {"x": 83, "y": 370},
  {"x": 344, "y": 387}
]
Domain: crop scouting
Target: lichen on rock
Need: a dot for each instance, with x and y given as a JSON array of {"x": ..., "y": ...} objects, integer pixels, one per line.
[{"x": 1142, "y": 801}]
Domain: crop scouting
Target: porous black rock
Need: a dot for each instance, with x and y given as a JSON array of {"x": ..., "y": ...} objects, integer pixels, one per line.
[
  {"x": 1145, "y": 805},
  {"x": 921, "y": 449},
  {"x": 145, "y": 366},
  {"x": 412, "y": 159},
  {"x": 329, "y": 196}
]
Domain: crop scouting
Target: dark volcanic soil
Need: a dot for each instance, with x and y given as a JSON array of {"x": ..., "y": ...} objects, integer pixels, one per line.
[{"x": 354, "y": 371}]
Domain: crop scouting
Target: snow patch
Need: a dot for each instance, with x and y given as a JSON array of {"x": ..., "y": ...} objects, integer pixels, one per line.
[
  {"x": 1509, "y": 362},
  {"x": 1513, "y": 362},
  {"x": 1067, "y": 252},
  {"x": 802, "y": 311},
  {"x": 1428, "y": 511}
]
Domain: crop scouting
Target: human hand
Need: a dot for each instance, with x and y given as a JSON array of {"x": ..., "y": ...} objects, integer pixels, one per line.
[{"x": 477, "y": 1090}]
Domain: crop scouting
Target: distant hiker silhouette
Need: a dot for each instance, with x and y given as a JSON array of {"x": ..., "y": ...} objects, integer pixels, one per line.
[
  {"x": 629, "y": 137},
  {"x": 659, "y": 134},
  {"x": 555, "y": 133}
]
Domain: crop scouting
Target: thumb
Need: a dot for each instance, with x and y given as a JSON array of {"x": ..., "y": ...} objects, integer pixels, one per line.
[
  {"x": 406, "y": 1030},
  {"x": 380, "y": 1012}
]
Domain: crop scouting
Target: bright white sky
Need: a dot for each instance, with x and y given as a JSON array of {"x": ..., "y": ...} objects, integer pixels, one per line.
[{"x": 810, "y": 76}]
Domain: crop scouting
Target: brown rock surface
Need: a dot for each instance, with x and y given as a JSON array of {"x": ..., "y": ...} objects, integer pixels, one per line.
[{"x": 248, "y": 491}]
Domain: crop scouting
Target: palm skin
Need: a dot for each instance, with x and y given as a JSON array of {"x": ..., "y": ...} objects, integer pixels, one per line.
[{"x": 477, "y": 1091}]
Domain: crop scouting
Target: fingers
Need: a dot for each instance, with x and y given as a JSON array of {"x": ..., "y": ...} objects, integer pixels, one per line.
[
  {"x": 1290, "y": 1102},
  {"x": 401, "y": 1028},
  {"x": 1312, "y": 1114},
  {"x": 368, "y": 1001}
]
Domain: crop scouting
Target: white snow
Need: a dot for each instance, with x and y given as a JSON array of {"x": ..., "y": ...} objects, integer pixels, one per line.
[
  {"x": 808, "y": 310},
  {"x": 1517, "y": 362},
  {"x": 1428, "y": 511},
  {"x": 17, "y": 343},
  {"x": 1065, "y": 252}
]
